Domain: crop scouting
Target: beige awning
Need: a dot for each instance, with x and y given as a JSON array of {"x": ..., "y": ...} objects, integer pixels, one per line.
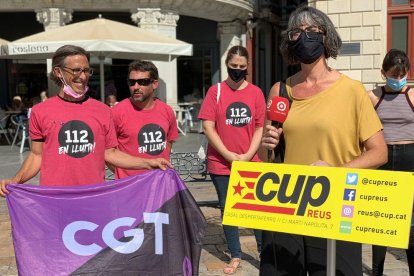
[{"x": 102, "y": 38}]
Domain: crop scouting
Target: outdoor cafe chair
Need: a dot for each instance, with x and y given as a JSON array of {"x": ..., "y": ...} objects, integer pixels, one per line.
[
  {"x": 21, "y": 130},
  {"x": 188, "y": 119},
  {"x": 3, "y": 127}
]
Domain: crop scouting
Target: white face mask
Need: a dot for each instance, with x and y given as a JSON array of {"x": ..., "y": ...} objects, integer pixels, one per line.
[{"x": 68, "y": 90}]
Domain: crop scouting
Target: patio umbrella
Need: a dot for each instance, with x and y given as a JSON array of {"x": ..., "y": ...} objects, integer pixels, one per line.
[{"x": 102, "y": 38}]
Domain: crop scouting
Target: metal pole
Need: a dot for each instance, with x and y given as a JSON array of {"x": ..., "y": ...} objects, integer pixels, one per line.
[
  {"x": 102, "y": 77},
  {"x": 331, "y": 257}
]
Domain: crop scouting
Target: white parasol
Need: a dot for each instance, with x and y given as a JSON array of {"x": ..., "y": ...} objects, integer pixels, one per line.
[{"x": 102, "y": 38}]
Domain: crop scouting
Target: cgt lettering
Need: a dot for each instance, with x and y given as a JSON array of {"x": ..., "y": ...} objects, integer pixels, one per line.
[
  {"x": 136, "y": 235},
  {"x": 302, "y": 193}
]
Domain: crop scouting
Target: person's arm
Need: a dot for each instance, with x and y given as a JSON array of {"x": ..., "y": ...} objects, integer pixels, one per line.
[
  {"x": 374, "y": 155},
  {"x": 411, "y": 95},
  {"x": 215, "y": 141},
  {"x": 169, "y": 146},
  {"x": 254, "y": 145},
  {"x": 374, "y": 95},
  {"x": 112, "y": 167},
  {"x": 271, "y": 134},
  {"x": 123, "y": 160},
  {"x": 28, "y": 170}
]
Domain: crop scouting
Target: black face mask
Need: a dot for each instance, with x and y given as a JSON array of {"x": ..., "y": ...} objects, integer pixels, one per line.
[
  {"x": 307, "y": 50},
  {"x": 236, "y": 74}
]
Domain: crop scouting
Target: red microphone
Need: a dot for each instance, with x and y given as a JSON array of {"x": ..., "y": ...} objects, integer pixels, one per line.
[{"x": 277, "y": 111}]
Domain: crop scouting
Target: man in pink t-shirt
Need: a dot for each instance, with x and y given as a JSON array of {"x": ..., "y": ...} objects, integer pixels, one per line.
[
  {"x": 73, "y": 135},
  {"x": 145, "y": 126}
]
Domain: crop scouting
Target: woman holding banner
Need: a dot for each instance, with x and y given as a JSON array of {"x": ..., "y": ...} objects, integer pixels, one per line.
[
  {"x": 330, "y": 122},
  {"x": 394, "y": 103}
]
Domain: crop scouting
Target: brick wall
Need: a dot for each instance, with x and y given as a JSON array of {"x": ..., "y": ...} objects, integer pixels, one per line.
[{"x": 364, "y": 22}]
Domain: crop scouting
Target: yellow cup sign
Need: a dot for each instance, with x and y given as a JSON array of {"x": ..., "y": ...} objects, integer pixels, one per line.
[{"x": 366, "y": 206}]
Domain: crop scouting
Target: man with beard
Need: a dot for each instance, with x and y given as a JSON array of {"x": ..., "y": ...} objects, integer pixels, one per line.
[{"x": 145, "y": 126}]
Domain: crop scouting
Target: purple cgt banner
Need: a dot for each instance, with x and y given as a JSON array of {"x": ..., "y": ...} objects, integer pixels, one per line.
[{"x": 148, "y": 224}]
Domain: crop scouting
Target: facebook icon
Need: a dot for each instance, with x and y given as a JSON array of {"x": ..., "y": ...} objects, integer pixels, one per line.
[{"x": 349, "y": 194}]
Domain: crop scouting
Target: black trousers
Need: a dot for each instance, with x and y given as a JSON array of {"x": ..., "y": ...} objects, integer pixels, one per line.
[
  {"x": 400, "y": 158},
  {"x": 379, "y": 252},
  {"x": 295, "y": 255}
]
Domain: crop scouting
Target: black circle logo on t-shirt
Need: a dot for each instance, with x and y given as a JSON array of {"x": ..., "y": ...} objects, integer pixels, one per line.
[
  {"x": 151, "y": 139},
  {"x": 238, "y": 114},
  {"x": 76, "y": 139}
]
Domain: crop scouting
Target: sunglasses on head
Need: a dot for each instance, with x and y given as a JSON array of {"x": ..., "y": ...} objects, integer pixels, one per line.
[{"x": 141, "y": 82}]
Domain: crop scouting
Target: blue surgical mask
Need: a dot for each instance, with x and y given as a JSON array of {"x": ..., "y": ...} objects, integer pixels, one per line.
[{"x": 396, "y": 85}]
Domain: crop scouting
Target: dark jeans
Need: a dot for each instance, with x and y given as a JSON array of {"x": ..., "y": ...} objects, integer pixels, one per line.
[
  {"x": 221, "y": 183},
  {"x": 289, "y": 254},
  {"x": 400, "y": 158}
]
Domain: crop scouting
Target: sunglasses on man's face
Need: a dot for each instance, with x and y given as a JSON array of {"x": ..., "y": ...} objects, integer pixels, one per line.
[{"x": 141, "y": 82}]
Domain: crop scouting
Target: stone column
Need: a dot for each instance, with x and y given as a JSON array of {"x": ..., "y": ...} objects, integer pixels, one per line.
[
  {"x": 52, "y": 18},
  {"x": 230, "y": 34},
  {"x": 164, "y": 23}
]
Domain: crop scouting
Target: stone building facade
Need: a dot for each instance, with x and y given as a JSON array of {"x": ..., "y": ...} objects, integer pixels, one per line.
[
  {"x": 362, "y": 27},
  {"x": 212, "y": 27},
  {"x": 367, "y": 31}
]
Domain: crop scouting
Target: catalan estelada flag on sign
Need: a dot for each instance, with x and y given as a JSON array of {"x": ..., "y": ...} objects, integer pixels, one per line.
[{"x": 148, "y": 224}]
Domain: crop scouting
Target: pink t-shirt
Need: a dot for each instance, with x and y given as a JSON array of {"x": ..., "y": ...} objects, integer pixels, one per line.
[
  {"x": 144, "y": 133},
  {"x": 236, "y": 115},
  {"x": 75, "y": 137}
]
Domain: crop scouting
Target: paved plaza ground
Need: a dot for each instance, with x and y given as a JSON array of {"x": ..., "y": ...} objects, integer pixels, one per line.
[{"x": 212, "y": 257}]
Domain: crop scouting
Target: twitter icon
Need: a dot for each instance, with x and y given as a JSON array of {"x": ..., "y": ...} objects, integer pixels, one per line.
[{"x": 351, "y": 178}]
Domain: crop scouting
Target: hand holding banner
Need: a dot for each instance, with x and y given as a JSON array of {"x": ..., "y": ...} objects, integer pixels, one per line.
[{"x": 147, "y": 224}]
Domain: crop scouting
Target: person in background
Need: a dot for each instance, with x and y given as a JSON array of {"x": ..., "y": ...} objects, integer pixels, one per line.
[
  {"x": 73, "y": 135},
  {"x": 17, "y": 104},
  {"x": 43, "y": 96},
  {"x": 111, "y": 100},
  {"x": 145, "y": 126},
  {"x": 394, "y": 103},
  {"x": 19, "y": 108},
  {"x": 232, "y": 140},
  {"x": 348, "y": 135}
]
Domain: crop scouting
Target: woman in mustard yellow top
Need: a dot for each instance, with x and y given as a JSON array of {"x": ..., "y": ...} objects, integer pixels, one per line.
[{"x": 331, "y": 123}]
